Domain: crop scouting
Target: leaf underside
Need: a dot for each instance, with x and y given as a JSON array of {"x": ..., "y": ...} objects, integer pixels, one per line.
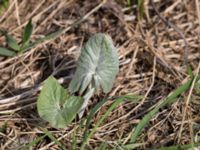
[{"x": 98, "y": 65}]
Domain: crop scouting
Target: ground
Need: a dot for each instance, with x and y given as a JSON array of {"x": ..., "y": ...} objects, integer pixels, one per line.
[{"x": 156, "y": 42}]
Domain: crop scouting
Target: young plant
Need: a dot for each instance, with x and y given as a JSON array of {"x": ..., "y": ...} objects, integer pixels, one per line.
[
  {"x": 97, "y": 68},
  {"x": 14, "y": 47}
]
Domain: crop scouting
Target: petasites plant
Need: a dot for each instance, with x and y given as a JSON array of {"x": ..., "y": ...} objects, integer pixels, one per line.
[
  {"x": 97, "y": 68},
  {"x": 55, "y": 105}
]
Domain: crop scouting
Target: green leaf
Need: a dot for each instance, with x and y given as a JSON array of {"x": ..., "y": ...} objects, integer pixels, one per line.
[
  {"x": 56, "y": 106},
  {"x": 98, "y": 65},
  {"x": 48, "y": 37},
  {"x": 27, "y": 33},
  {"x": 6, "y": 52},
  {"x": 12, "y": 42}
]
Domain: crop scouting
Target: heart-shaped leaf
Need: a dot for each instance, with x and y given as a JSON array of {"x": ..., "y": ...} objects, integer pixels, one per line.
[
  {"x": 97, "y": 66},
  {"x": 55, "y": 105}
]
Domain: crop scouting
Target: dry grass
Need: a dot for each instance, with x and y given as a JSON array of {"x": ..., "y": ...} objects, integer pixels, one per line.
[{"x": 151, "y": 64}]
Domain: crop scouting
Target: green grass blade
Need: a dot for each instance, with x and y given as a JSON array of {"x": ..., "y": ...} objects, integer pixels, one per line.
[
  {"x": 91, "y": 115},
  {"x": 6, "y": 52},
  {"x": 102, "y": 146},
  {"x": 132, "y": 146},
  {"x": 37, "y": 140},
  {"x": 133, "y": 98},
  {"x": 114, "y": 105},
  {"x": 117, "y": 101},
  {"x": 12, "y": 42},
  {"x": 74, "y": 142},
  {"x": 48, "y": 37},
  {"x": 140, "y": 6},
  {"x": 170, "y": 99},
  {"x": 50, "y": 135},
  {"x": 27, "y": 33},
  {"x": 94, "y": 111}
]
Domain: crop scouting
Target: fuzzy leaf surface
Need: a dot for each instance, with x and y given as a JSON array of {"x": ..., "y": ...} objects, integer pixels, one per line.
[
  {"x": 56, "y": 106},
  {"x": 98, "y": 65}
]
